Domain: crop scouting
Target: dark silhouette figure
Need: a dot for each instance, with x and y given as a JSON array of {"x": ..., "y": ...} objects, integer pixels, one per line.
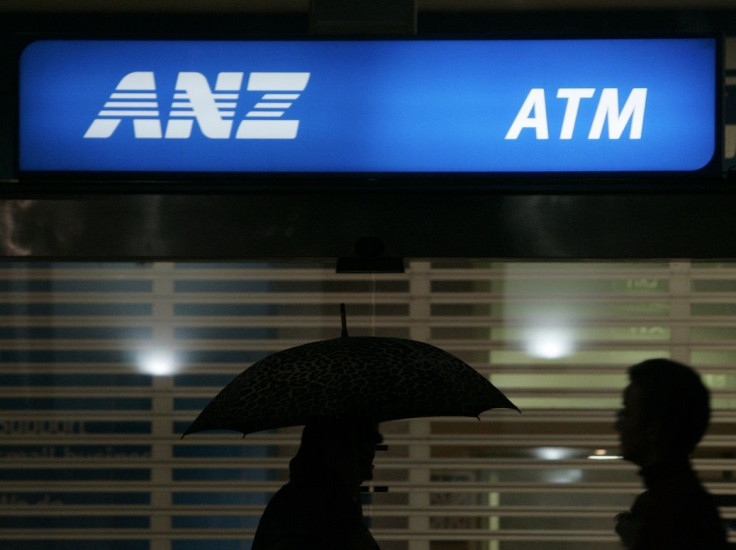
[
  {"x": 319, "y": 508},
  {"x": 666, "y": 412}
]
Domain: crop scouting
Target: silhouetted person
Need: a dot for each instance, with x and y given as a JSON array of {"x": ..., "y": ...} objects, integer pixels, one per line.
[
  {"x": 666, "y": 412},
  {"x": 319, "y": 508}
]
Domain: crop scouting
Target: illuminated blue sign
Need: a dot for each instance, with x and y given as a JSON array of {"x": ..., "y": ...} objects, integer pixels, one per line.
[{"x": 374, "y": 106}]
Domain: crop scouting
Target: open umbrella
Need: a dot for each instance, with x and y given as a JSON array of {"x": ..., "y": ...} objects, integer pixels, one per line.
[{"x": 376, "y": 378}]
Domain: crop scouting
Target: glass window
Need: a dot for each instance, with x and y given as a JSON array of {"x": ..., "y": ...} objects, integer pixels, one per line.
[{"x": 103, "y": 366}]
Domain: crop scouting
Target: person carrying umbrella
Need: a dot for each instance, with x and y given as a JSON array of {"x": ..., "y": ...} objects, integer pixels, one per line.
[
  {"x": 340, "y": 390},
  {"x": 666, "y": 412},
  {"x": 319, "y": 508}
]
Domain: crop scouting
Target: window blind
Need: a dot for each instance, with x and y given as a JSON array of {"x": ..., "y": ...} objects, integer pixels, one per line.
[{"x": 103, "y": 366}]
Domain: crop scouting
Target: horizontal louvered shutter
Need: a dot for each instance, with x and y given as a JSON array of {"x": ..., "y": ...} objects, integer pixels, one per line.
[{"x": 103, "y": 366}]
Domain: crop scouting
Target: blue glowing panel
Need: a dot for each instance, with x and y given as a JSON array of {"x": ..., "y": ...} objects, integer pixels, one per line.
[{"x": 375, "y": 106}]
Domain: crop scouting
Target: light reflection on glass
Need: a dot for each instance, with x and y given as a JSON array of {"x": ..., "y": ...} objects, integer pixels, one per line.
[
  {"x": 158, "y": 362},
  {"x": 564, "y": 476},
  {"x": 550, "y": 342},
  {"x": 554, "y": 453}
]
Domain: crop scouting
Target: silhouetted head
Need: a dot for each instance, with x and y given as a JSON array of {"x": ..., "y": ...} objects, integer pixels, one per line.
[
  {"x": 337, "y": 448},
  {"x": 666, "y": 412}
]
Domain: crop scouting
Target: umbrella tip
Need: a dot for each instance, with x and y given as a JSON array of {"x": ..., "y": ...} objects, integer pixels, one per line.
[{"x": 344, "y": 321}]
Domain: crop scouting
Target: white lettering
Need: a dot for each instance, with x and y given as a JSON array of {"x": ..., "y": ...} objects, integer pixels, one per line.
[
  {"x": 573, "y": 96},
  {"x": 267, "y": 108},
  {"x": 195, "y": 100},
  {"x": 534, "y": 102},
  {"x": 533, "y": 113},
  {"x": 633, "y": 110},
  {"x": 135, "y": 98},
  {"x": 136, "y": 90}
]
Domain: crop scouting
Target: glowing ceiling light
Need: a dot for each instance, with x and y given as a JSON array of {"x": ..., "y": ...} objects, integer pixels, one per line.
[
  {"x": 550, "y": 342},
  {"x": 159, "y": 362}
]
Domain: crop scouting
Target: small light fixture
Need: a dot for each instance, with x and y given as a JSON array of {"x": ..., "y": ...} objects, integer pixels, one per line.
[
  {"x": 158, "y": 362},
  {"x": 602, "y": 454}
]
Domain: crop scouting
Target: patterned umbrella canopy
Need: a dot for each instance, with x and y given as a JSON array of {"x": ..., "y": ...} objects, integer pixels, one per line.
[{"x": 376, "y": 378}]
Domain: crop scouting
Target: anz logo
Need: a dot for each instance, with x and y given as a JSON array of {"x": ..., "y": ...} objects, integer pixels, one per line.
[{"x": 135, "y": 98}]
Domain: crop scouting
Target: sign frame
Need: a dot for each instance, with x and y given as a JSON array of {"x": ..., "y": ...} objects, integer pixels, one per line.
[{"x": 134, "y": 180}]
